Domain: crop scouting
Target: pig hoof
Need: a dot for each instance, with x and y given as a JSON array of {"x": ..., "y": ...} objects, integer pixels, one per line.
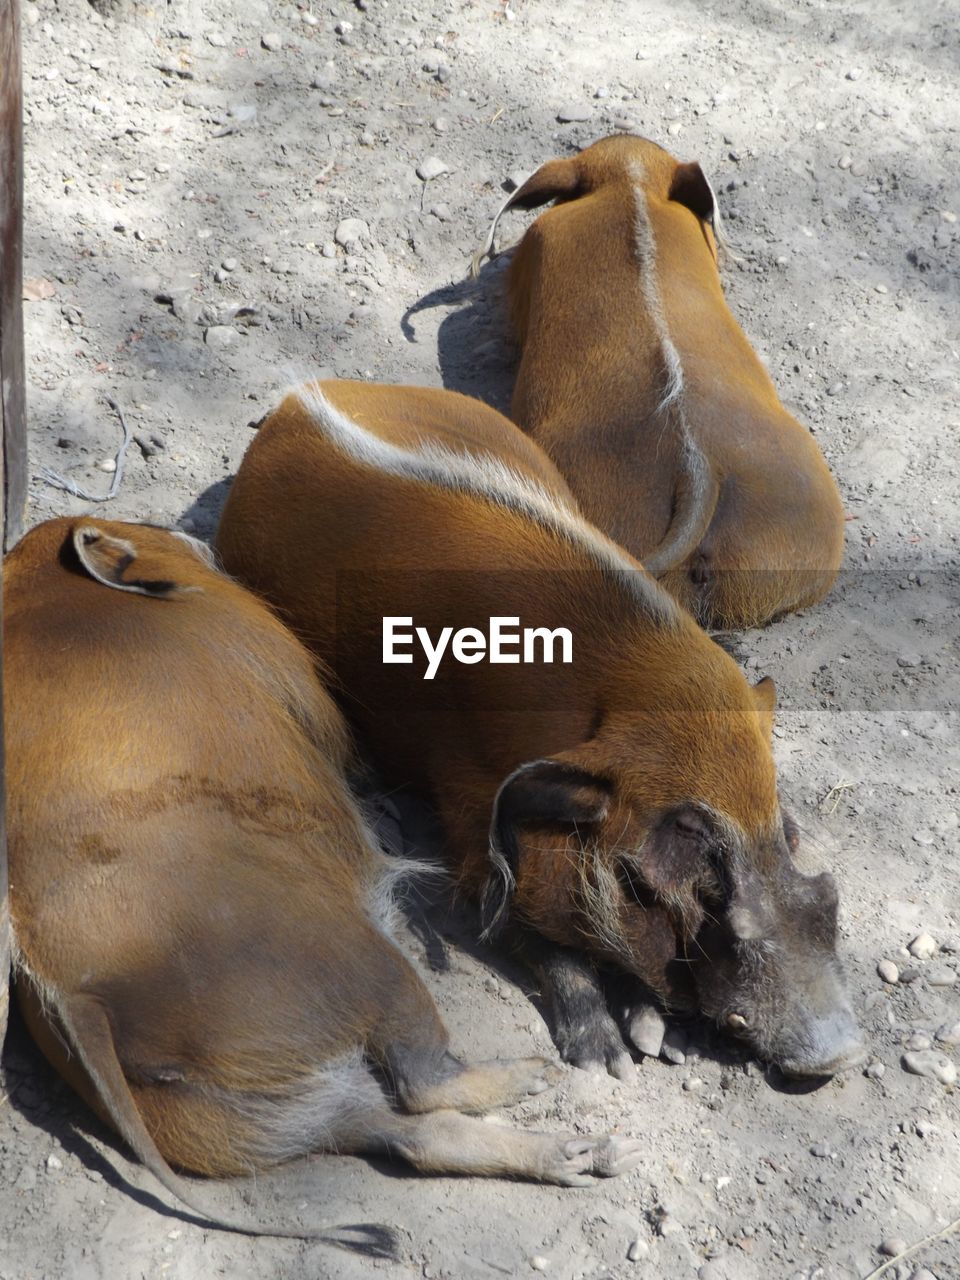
[
  {"x": 524, "y": 1077},
  {"x": 578, "y": 1162},
  {"x": 596, "y": 1046},
  {"x": 613, "y": 1156}
]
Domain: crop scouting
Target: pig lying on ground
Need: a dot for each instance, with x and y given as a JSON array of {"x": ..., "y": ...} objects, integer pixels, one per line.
[
  {"x": 617, "y": 810},
  {"x": 201, "y": 916},
  {"x": 641, "y": 386}
]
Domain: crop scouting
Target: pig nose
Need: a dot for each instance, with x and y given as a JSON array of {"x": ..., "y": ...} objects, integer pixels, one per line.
[{"x": 845, "y": 1056}]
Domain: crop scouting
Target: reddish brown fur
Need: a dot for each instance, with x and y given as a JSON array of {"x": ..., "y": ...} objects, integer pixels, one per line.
[
  {"x": 191, "y": 884},
  {"x": 652, "y": 704},
  {"x": 769, "y": 528}
]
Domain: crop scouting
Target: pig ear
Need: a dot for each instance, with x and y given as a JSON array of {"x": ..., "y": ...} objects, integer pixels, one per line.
[
  {"x": 113, "y": 562},
  {"x": 691, "y": 188},
  {"x": 555, "y": 180},
  {"x": 544, "y": 792},
  {"x": 765, "y": 696}
]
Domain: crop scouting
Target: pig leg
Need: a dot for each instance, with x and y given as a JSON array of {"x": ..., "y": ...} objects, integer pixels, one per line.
[
  {"x": 410, "y": 1044},
  {"x": 447, "y": 1142},
  {"x": 583, "y": 1030}
]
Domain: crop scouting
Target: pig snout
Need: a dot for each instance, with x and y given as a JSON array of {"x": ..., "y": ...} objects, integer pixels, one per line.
[{"x": 769, "y": 974}]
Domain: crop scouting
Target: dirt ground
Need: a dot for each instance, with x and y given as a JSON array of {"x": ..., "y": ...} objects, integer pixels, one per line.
[{"x": 188, "y": 168}]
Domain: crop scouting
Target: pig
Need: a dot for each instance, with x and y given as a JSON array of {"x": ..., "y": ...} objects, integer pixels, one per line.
[
  {"x": 201, "y": 915},
  {"x": 638, "y": 382},
  {"x": 620, "y": 811}
]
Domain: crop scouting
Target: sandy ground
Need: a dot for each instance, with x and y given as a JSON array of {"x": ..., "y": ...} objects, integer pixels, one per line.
[{"x": 187, "y": 169}]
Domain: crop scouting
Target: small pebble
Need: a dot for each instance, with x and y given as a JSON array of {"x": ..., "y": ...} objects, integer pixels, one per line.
[
  {"x": 220, "y": 335},
  {"x": 922, "y": 1273},
  {"x": 930, "y": 1063},
  {"x": 922, "y": 947},
  {"x": 855, "y": 73},
  {"x": 821, "y": 1151},
  {"x": 309, "y": 19},
  {"x": 574, "y": 111},
  {"x": 217, "y": 39},
  {"x": 692, "y": 1084},
  {"x": 948, "y": 215},
  {"x": 351, "y": 231},
  {"x": 892, "y": 1246},
  {"x": 845, "y": 162},
  {"x": 880, "y": 288},
  {"x": 834, "y": 389},
  {"x": 675, "y": 129},
  {"x": 343, "y": 28},
  {"x": 941, "y": 976},
  {"x": 888, "y": 971},
  {"x": 539, "y": 1262},
  {"x": 431, "y": 168},
  {"x": 639, "y": 1249},
  {"x": 109, "y": 465},
  {"x": 922, "y": 837},
  {"x": 875, "y": 1071},
  {"x": 919, "y": 1040},
  {"x": 272, "y": 41},
  {"x": 54, "y": 1162},
  {"x": 949, "y": 1033},
  {"x": 441, "y": 124},
  {"x": 229, "y": 264},
  {"x": 329, "y": 249}
]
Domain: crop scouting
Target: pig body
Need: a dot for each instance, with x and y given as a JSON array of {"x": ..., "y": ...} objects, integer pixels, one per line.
[
  {"x": 200, "y": 912},
  {"x": 638, "y": 382},
  {"x": 602, "y": 812}
]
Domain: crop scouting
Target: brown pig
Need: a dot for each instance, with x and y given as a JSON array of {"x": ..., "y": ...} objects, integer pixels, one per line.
[
  {"x": 611, "y": 801},
  {"x": 200, "y": 914},
  {"x": 641, "y": 386}
]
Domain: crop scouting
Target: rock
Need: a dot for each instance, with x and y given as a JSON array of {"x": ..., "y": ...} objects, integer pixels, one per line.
[
  {"x": 273, "y": 41},
  {"x": 949, "y": 1033},
  {"x": 217, "y": 39},
  {"x": 109, "y": 465},
  {"x": 220, "y": 335},
  {"x": 574, "y": 111},
  {"x": 930, "y": 1063},
  {"x": 343, "y": 28},
  {"x": 845, "y": 162},
  {"x": 923, "y": 837},
  {"x": 692, "y": 1084},
  {"x": 922, "y": 1273},
  {"x": 639, "y": 1249},
  {"x": 909, "y": 660},
  {"x": 646, "y": 1031},
  {"x": 229, "y": 264},
  {"x": 329, "y": 249},
  {"x": 919, "y": 1040},
  {"x": 941, "y": 975},
  {"x": 54, "y": 1162},
  {"x": 875, "y": 1071},
  {"x": 351, "y": 232},
  {"x": 441, "y": 124},
  {"x": 922, "y": 947},
  {"x": 431, "y": 168},
  {"x": 821, "y": 1150},
  {"x": 674, "y": 1047},
  {"x": 855, "y": 73},
  {"x": 888, "y": 971},
  {"x": 539, "y": 1262},
  {"x": 893, "y": 1246}
]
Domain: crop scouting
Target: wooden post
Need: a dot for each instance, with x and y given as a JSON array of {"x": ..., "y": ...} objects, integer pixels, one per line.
[{"x": 13, "y": 455}]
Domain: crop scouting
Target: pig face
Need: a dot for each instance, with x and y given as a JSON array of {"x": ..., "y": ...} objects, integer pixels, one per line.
[{"x": 661, "y": 847}]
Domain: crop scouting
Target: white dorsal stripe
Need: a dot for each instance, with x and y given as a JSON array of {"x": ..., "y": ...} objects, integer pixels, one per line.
[
  {"x": 481, "y": 475},
  {"x": 698, "y": 477}
]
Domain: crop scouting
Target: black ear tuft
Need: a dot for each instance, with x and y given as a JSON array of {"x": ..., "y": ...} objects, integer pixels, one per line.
[{"x": 549, "y": 792}]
